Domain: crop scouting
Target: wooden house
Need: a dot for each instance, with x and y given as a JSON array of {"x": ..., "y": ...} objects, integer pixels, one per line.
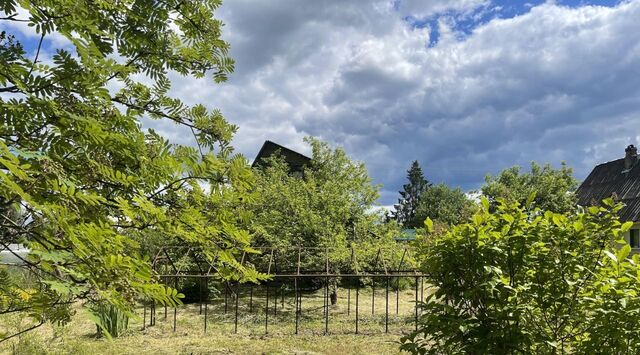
[{"x": 619, "y": 178}]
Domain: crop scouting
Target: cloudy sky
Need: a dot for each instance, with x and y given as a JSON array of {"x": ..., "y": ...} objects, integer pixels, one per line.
[{"x": 466, "y": 87}]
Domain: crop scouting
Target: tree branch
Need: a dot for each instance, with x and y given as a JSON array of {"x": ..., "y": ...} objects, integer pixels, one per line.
[{"x": 22, "y": 331}]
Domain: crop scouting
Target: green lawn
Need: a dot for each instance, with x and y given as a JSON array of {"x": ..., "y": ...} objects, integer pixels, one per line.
[{"x": 78, "y": 336}]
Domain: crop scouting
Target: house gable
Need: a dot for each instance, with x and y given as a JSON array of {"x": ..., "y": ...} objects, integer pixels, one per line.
[
  {"x": 619, "y": 178},
  {"x": 295, "y": 160}
]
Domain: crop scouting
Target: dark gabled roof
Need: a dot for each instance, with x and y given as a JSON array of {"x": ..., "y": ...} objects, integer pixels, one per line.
[
  {"x": 295, "y": 160},
  {"x": 608, "y": 179}
]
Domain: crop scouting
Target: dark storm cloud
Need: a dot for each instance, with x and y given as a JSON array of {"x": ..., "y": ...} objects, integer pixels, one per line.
[{"x": 555, "y": 83}]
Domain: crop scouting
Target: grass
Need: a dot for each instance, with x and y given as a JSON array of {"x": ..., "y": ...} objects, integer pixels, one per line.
[{"x": 78, "y": 337}]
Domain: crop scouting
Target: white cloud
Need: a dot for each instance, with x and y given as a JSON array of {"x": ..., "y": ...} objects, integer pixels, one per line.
[
  {"x": 422, "y": 9},
  {"x": 546, "y": 85},
  {"x": 555, "y": 83}
]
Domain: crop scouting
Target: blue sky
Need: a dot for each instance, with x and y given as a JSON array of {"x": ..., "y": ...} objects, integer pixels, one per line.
[
  {"x": 467, "y": 21},
  {"x": 466, "y": 87}
]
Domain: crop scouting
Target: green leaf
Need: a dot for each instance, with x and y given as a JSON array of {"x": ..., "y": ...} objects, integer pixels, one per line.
[
  {"x": 578, "y": 226},
  {"x": 611, "y": 256},
  {"x": 626, "y": 226},
  {"x": 485, "y": 203},
  {"x": 530, "y": 199},
  {"x": 428, "y": 224},
  {"x": 623, "y": 252}
]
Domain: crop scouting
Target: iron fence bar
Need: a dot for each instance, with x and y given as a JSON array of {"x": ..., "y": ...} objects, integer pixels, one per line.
[
  {"x": 299, "y": 304},
  {"x": 275, "y": 302},
  {"x": 144, "y": 315},
  {"x": 349, "y": 289},
  {"x": 386, "y": 307},
  {"x": 251, "y": 298},
  {"x": 373, "y": 286},
  {"x": 275, "y": 287},
  {"x": 152, "y": 313},
  {"x": 298, "y": 292},
  {"x": 177, "y": 271},
  {"x": 299, "y": 252},
  {"x": 200, "y": 297},
  {"x": 235, "y": 330},
  {"x": 206, "y": 303},
  {"x": 404, "y": 252},
  {"x": 326, "y": 315},
  {"x": 324, "y": 298},
  {"x": 407, "y": 273},
  {"x": 421, "y": 289},
  {"x": 226, "y": 296},
  {"x": 416, "y": 304},
  {"x": 175, "y": 309},
  {"x": 266, "y": 312},
  {"x": 373, "y": 296},
  {"x": 348, "y": 301},
  {"x": 357, "y": 298},
  {"x": 295, "y": 286}
]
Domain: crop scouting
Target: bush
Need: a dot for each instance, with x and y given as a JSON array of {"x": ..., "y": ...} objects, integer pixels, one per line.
[
  {"x": 110, "y": 320},
  {"x": 530, "y": 282}
]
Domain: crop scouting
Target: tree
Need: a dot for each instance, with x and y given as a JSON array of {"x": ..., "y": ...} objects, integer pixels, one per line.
[
  {"x": 329, "y": 207},
  {"x": 405, "y": 210},
  {"x": 554, "y": 188},
  {"x": 445, "y": 205},
  {"x": 88, "y": 179},
  {"x": 527, "y": 281}
]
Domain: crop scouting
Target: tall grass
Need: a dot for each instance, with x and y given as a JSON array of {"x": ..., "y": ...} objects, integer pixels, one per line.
[{"x": 110, "y": 320}]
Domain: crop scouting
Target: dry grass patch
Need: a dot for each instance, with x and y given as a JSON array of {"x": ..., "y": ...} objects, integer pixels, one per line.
[{"x": 78, "y": 337}]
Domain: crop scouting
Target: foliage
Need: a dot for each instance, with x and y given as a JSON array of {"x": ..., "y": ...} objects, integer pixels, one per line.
[
  {"x": 406, "y": 209},
  {"x": 445, "y": 205},
  {"x": 111, "y": 321},
  {"x": 554, "y": 188},
  {"x": 328, "y": 207},
  {"x": 88, "y": 180},
  {"x": 526, "y": 281},
  {"x": 323, "y": 208}
]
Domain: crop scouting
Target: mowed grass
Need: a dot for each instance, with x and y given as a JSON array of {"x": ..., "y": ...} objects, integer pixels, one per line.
[{"x": 78, "y": 337}]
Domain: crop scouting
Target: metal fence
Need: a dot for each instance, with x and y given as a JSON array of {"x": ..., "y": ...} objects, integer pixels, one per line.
[{"x": 296, "y": 279}]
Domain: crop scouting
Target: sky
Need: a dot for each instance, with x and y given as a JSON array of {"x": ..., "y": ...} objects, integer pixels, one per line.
[{"x": 466, "y": 87}]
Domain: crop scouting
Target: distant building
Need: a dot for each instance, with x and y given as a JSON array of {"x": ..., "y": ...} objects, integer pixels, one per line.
[
  {"x": 295, "y": 160},
  {"x": 619, "y": 178}
]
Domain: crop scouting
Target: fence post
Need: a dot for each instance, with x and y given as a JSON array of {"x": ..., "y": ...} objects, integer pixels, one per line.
[
  {"x": 144, "y": 315},
  {"x": 357, "y": 294},
  {"x": 386, "y": 306},
  {"x": 206, "y": 303},
  {"x": 327, "y": 303},
  {"x": 266, "y": 313},
  {"x": 416, "y": 303},
  {"x": 251, "y": 298},
  {"x": 235, "y": 330},
  {"x": 295, "y": 288},
  {"x": 175, "y": 308},
  {"x": 373, "y": 295}
]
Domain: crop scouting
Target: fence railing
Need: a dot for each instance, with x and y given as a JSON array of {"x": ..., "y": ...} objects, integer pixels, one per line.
[{"x": 250, "y": 304}]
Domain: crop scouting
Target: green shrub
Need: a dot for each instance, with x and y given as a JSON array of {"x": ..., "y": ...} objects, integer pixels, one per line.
[
  {"x": 110, "y": 320},
  {"x": 530, "y": 282}
]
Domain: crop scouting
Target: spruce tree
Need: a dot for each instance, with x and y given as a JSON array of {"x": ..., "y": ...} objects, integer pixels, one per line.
[{"x": 405, "y": 210}]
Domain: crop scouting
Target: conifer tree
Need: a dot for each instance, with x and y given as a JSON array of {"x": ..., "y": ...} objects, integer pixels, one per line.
[{"x": 405, "y": 210}]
